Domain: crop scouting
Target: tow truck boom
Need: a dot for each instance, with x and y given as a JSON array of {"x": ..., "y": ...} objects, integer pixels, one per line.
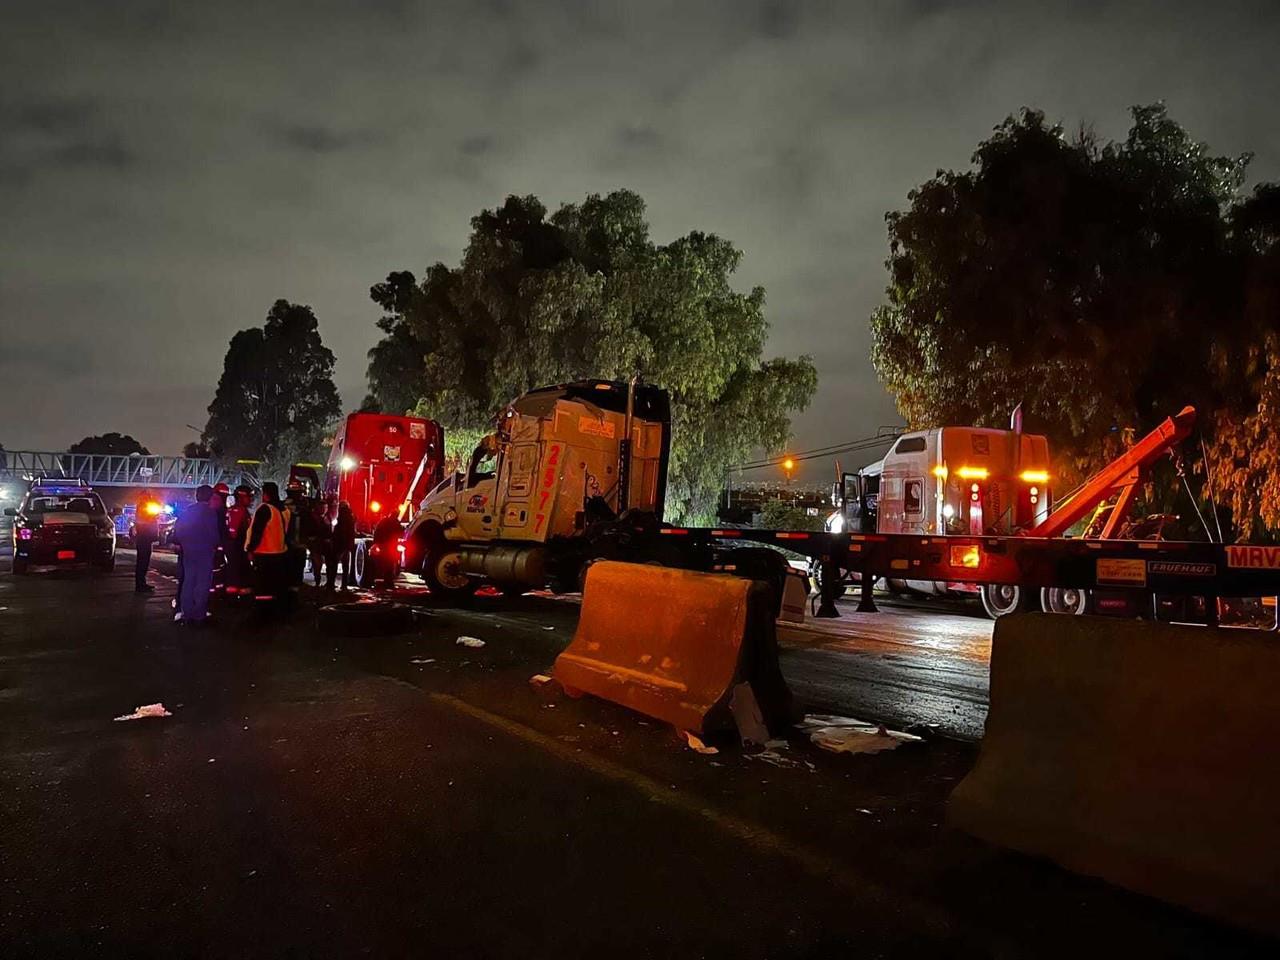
[{"x": 1121, "y": 476}]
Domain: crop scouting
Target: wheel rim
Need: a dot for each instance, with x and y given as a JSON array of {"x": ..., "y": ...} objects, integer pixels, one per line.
[
  {"x": 1064, "y": 600},
  {"x": 1004, "y": 597},
  {"x": 359, "y": 564},
  {"x": 449, "y": 572}
]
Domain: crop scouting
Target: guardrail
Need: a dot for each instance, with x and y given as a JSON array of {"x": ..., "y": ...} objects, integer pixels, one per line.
[{"x": 101, "y": 470}]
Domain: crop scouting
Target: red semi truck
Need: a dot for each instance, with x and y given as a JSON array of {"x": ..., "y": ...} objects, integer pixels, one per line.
[{"x": 382, "y": 465}]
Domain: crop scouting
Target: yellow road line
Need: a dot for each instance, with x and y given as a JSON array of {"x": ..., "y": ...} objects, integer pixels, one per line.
[{"x": 760, "y": 838}]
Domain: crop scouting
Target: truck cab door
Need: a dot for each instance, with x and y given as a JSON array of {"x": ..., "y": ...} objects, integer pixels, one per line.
[{"x": 477, "y": 504}]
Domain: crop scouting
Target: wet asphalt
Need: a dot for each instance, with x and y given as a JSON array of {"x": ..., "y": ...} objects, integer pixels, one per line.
[{"x": 408, "y": 796}]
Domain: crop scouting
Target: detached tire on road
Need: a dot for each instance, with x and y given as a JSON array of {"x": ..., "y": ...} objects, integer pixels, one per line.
[{"x": 365, "y": 618}]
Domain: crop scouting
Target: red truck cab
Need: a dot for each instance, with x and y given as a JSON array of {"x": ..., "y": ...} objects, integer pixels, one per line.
[{"x": 382, "y": 464}]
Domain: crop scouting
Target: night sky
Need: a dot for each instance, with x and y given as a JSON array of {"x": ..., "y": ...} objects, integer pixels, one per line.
[{"x": 168, "y": 170}]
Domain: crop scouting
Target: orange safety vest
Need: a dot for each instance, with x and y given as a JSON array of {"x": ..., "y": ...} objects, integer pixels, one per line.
[{"x": 272, "y": 541}]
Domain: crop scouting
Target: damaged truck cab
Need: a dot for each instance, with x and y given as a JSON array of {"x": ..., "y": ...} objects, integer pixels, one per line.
[{"x": 571, "y": 473}]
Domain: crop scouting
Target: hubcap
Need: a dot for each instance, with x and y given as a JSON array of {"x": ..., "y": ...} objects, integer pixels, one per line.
[
  {"x": 1004, "y": 596},
  {"x": 449, "y": 572}
]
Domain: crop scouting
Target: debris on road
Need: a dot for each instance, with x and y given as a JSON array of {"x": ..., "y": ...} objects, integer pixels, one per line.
[
  {"x": 473, "y": 642},
  {"x": 846, "y": 735},
  {"x": 695, "y": 743},
  {"x": 773, "y": 754},
  {"x": 421, "y": 660},
  {"x": 150, "y": 710},
  {"x": 540, "y": 680},
  {"x": 746, "y": 714}
]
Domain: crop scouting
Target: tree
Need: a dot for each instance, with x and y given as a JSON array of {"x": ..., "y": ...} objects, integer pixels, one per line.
[
  {"x": 196, "y": 451},
  {"x": 1244, "y": 452},
  {"x": 276, "y": 398},
  {"x": 780, "y": 514},
  {"x": 1088, "y": 282},
  {"x": 586, "y": 293},
  {"x": 112, "y": 444}
]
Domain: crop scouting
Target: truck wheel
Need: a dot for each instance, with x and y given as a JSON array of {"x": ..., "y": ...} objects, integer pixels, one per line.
[
  {"x": 442, "y": 570},
  {"x": 1068, "y": 600},
  {"x": 1002, "y": 599},
  {"x": 365, "y": 566}
]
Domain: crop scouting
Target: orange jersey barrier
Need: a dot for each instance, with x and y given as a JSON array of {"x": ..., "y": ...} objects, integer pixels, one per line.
[
  {"x": 1139, "y": 752},
  {"x": 673, "y": 644}
]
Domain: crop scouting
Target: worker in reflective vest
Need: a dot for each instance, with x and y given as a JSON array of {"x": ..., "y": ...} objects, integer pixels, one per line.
[{"x": 268, "y": 550}]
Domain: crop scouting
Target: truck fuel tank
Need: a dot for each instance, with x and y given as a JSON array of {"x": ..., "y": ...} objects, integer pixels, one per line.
[{"x": 505, "y": 564}]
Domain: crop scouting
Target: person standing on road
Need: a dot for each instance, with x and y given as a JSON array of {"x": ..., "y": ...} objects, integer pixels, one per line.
[
  {"x": 198, "y": 535},
  {"x": 268, "y": 549},
  {"x": 238, "y": 519},
  {"x": 342, "y": 546},
  {"x": 295, "y": 517},
  {"x": 146, "y": 528},
  {"x": 319, "y": 534}
]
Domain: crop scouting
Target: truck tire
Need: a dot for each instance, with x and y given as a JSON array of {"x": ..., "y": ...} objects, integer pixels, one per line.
[
  {"x": 1068, "y": 600},
  {"x": 367, "y": 568},
  {"x": 1002, "y": 599},
  {"x": 365, "y": 618},
  {"x": 442, "y": 572}
]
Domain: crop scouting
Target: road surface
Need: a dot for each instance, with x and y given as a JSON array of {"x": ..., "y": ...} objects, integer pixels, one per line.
[
  {"x": 914, "y": 664},
  {"x": 406, "y": 795}
]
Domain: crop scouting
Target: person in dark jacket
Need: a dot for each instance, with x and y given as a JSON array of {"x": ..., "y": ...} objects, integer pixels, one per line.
[
  {"x": 238, "y": 519},
  {"x": 198, "y": 536},
  {"x": 342, "y": 546},
  {"x": 146, "y": 529}
]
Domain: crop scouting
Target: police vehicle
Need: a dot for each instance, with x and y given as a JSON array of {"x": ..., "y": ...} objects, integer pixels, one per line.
[{"x": 62, "y": 522}]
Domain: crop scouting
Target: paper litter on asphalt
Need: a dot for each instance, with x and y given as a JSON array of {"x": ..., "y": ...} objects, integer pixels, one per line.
[
  {"x": 695, "y": 743},
  {"x": 847, "y": 735},
  {"x": 474, "y": 642},
  {"x": 421, "y": 660},
  {"x": 150, "y": 710}
]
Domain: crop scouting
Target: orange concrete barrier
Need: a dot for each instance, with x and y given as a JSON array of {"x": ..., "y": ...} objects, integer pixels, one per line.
[
  {"x": 1142, "y": 753},
  {"x": 673, "y": 644}
]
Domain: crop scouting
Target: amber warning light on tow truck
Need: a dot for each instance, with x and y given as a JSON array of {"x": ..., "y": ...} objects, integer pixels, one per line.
[
  {"x": 966, "y": 555},
  {"x": 1034, "y": 476}
]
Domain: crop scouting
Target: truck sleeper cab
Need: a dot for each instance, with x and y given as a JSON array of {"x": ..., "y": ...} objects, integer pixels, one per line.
[
  {"x": 949, "y": 481},
  {"x": 561, "y": 460}
]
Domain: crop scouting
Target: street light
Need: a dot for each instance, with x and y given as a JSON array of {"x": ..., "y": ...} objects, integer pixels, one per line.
[{"x": 788, "y": 465}]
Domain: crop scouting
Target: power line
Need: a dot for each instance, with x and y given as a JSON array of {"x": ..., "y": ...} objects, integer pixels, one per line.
[{"x": 849, "y": 446}]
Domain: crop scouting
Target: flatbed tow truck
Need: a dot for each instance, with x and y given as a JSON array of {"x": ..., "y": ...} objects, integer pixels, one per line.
[{"x": 577, "y": 472}]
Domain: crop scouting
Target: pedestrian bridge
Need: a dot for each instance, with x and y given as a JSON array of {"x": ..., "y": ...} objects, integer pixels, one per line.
[{"x": 102, "y": 470}]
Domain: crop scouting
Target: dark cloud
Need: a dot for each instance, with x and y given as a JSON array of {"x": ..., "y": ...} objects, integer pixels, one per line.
[
  {"x": 168, "y": 170},
  {"x": 109, "y": 153},
  {"x": 638, "y": 136},
  {"x": 779, "y": 19},
  {"x": 317, "y": 138},
  {"x": 477, "y": 145},
  {"x": 56, "y": 117}
]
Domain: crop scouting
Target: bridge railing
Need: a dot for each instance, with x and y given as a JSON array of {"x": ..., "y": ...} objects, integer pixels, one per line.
[{"x": 104, "y": 470}]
